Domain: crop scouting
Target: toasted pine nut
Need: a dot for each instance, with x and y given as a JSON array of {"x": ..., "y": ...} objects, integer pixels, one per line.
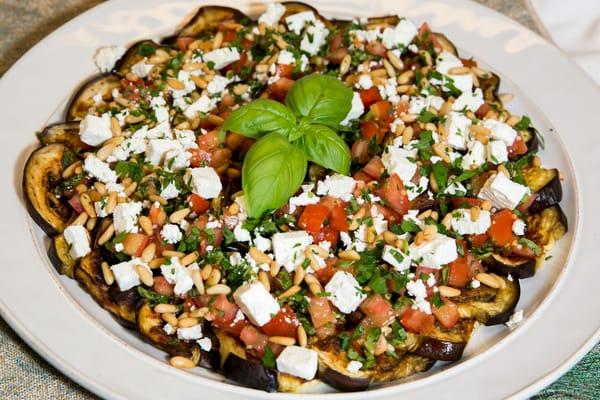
[
  {"x": 217, "y": 40},
  {"x": 408, "y": 118},
  {"x": 173, "y": 253},
  {"x": 106, "y": 235},
  {"x": 215, "y": 119},
  {"x": 157, "y": 262},
  {"x": 345, "y": 64},
  {"x": 424, "y": 214},
  {"x": 218, "y": 289},
  {"x": 155, "y": 197},
  {"x": 115, "y": 127},
  {"x": 407, "y": 135},
  {"x": 111, "y": 203},
  {"x": 148, "y": 253},
  {"x": 87, "y": 205},
  {"x": 486, "y": 205},
  {"x": 355, "y": 220},
  {"x": 502, "y": 169},
  {"x": 274, "y": 268},
  {"x": 488, "y": 280},
  {"x": 70, "y": 170},
  {"x": 283, "y": 340},
  {"x": 197, "y": 279},
  {"x": 388, "y": 68},
  {"x": 378, "y": 73},
  {"x": 145, "y": 224},
  {"x": 199, "y": 312},
  {"x": 298, "y": 275},
  {"x": 130, "y": 189},
  {"x": 240, "y": 89},
  {"x": 349, "y": 255},
  {"x": 419, "y": 238},
  {"x": 187, "y": 322},
  {"x": 175, "y": 84},
  {"x": 433, "y": 182},
  {"x": 459, "y": 71},
  {"x": 91, "y": 224},
  {"x": 165, "y": 308},
  {"x": 447, "y": 291},
  {"x": 190, "y": 258},
  {"x": 81, "y": 219},
  {"x": 389, "y": 237},
  {"x": 500, "y": 280},
  {"x": 107, "y": 273},
  {"x": 321, "y": 252},
  {"x": 105, "y": 151},
  {"x": 302, "y": 338},
  {"x": 145, "y": 275},
  {"x": 264, "y": 279},
  {"x": 395, "y": 60},
  {"x": 206, "y": 271},
  {"x": 179, "y": 215},
  {"x": 181, "y": 362},
  {"x": 169, "y": 318},
  {"x": 447, "y": 221},
  {"x": 214, "y": 278},
  {"x": 290, "y": 292},
  {"x": 259, "y": 256}
]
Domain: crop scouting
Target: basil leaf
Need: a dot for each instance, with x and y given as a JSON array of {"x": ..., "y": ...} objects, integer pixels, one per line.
[
  {"x": 272, "y": 172},
  {"x": 258, "y": 118},
  {"x": 440, "y": 173},
  {"x": 321, "y": 99},
  {"x": 324, "y": 147}
]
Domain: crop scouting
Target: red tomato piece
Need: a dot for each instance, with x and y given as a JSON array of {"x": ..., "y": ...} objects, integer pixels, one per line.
[
  {"x": 279, "y": 89},
  {"x": 320, "y": 311},
  {"x": 285, "y": 323},
  {"x": 162, "y": 286},
  {"x": 369, "y": 96},
  {"x": 198, "y": 204},
  {"x": 446, "y": 314},
  {"x": 183, "y": 42},
  {"x": 313, "y": 217},
  {"x": 223, "y": 311},
  {"x": 478, "y": 240},
  {"x": 519, "y": 147},
  {"x": 134, "y": 244},
  {"x": 500, "y": 230},
  {"x": 369, "y": 129},
  {"x": 394, "y": 194},
  {"x": 285, "y": 70},
  {"x": 362, "y": 176},
  {"x": 328, "y": 234},
  {"x": 458, "y": 271},
  {"x": 338, "y": 219},
  {"x": 199, "y": 157},
  {"x": 360, "y": 151},
  {"x": 75, "y": 203},
  {"x": 336, "y": 56},
  {"x": 253, "y": 338},
  {"x": 381, "y": 110},
  {"x": 465, "y": 202},
  {"x": 378, "y": 309},
  {"x": 376, "y": 48},
  {"x": 417, "y": 321},
  {"x": 374, "y": 168},
  {"x": 325, "y": 274}
]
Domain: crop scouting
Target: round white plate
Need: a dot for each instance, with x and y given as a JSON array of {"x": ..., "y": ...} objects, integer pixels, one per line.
[{"x": 61, "y": 322}]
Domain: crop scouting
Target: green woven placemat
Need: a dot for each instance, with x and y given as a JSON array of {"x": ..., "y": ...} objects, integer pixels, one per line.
[{"x": 24, "y": 374}]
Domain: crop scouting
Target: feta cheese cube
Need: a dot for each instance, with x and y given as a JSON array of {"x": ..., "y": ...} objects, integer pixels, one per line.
[
  {"x": 296, "y": 22},
  {"x": 190, "y": 333},
  {"x": 241, "y": 234},
  {"x": 434, "y": 253},
  {"x": 177, "y": 159},
  {"x": 160, "y": 131},
  {"x": 518, "y": 227},
  {"x": 303, "y": 199},
  {"x": 272, "y": 15},
  {"x": 418, "y": 290},
  {"x": 125, "y": 217},
  {"x": 100, "y": 208},
  {"x": 217, "y": 85},
  {"x": 497, "y": 152},
  {"x": 515, "y": 319},
  {"x": 171, "y": 234},
  {"x": 399, "y": 36},
  {"x": 99, "y": 170},
  {"x": 78, "y": 239},
  {"x": 298, "y": 361},
  {"x": 468, "y": 101},
  {"x": 256, "y": 302},
  {"x": 463, "y": 224},
  {"x": 413, "y": 191},
  {"x": 262, "y": 243},
  {"x": 337, "y": 185},
  {"x": 158, "y": 149},
  {"x": 396, "y": 258},
  {"x": 463, "y": 82},
  {"x": 186, "y": 137},
  {"x": 170, "y": 191},
  {"x": 501, "y": 131},
  {"x": 365, "y": 81},
  {"x": 126, "y": 275},
  {"x": 356, "y": 110},
  {"x": 314, "y": 38},
  {"x": 286, "y": 58},
  {"x": 457, "y": 129},
  {"x": 206, "y": 182},
  {"x": 203, "y": 105},
  {"x": 475, "y": 156},
  {"x": 400, "y": 161},
  {"x": 502, "y": 192},
  {"x": 354, "y": 366},
  {"x": 344, "y": 292},
  {"x": 141, "y": 69},
  {"x": 222, "y": 57},
  {"x": 169, "y": 330},
  {"x": 178, "y": 275},
  {"x": 106, "y": 57},
  {"x": 95, "y": 130},
  {"x": 205, "y": 344},
  {"x": 455, "y": 189},
  {"x": 445, "y": 61},
  {"x": 288, "y": 248}
]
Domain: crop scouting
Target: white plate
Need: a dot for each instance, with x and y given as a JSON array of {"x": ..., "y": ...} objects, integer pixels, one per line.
[{"x": 61, "y": 322}]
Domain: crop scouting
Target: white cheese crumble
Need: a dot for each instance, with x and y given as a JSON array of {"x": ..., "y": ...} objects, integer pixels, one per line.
[
  {"x": 272, "y": 15},
  {"x": 256, "y": 302},
  {"x": 396, "y": 258},
  {"x": 434, "y": 253},
  {"x": 125, "y": 217},
  {"x": 400, "y": 161},
  {"x": 296, "y": 22},
  {"x": 99, "y": 169},
  {"x": 171, "y": 233},
  {"x": 515, "y": 319},
  {"x": 356, "y": 110},
  {"x": 95, "y": 130},
  {"x": 354, "y": 366},
  {"x": 206, "y": 182},
  {"x": 288, "y": 248},
  {"x": 222, "y": 57},
  {"x": 106, "y": 57},
  {"x": 399, "y": 36},
  {"x": 518, "y": 227},
  {"x": 126, "y": 275},
  {"x": 463, "y": 224},
  {"x": 337, "y": 185},
  {"x": 78, "y": 239},
  {"x": 298, "y": 361},
  {"x": 344, "y": 292},
  {"x": 502, "y": 192},
  {"x": 418, "y": 290},
  {"x": 190, "y": 333}
]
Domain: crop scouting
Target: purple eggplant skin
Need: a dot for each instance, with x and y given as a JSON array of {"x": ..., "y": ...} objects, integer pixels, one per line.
[
  {"x": 250, "y": 373},
  {"x": 343, "y": 382},
  {"x": 517, "y": 268},
  {"x": 82, "y": 100},
  {"x": 441, "y": 350},
  {"x": 547, "y": 196},
  {"x": 509, "y": 309}
]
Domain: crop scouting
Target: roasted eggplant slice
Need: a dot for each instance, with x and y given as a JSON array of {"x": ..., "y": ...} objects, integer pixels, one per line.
[
  {"x": 66, "y": 133},
  {"x": 546, "y": 185},
  {"x": 295, "y": 7},
  {"x": 446, "y": 44},
  {"x": 42, "y": 173},
  {"x": 532, "y": 139},
  {"x": 517, "y": 267},
  {"x": 487, "y": 305},
  {"x": 83, "y": 99},
  {"x": 447, "y": 344},
  {"x": 546, "y": 227},
  {"x": 344, "y": 382},
  {"x": 422, "y": 203},
  {"x": 135, "y": 54},
  {"x": 490, "y": 86},
  {"x": 58, "y": 252},
  {"x": 250, "y": 373},
  {"x": 388, "y": 20},
  {"x": 207, "y": 19}
]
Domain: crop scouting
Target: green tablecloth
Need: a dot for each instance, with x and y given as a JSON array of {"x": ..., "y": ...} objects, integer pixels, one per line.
[{"x": 23, "y": 374}]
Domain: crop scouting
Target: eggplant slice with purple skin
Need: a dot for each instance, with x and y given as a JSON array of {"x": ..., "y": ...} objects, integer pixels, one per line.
[
  {"x": 58, "y": 252},
  {"x": 517, "y": 267},
  {"x": 545, "y": 183},
  {"x": 66, "y": 133},
  {"x": 546, "y": 227},
  {"x": 43, "y": 173},
  {"x": 206, "y": 19},
  {"x": 83, "y": 99},
  {"x": 136, "y": 53},
  {"x": 447, "y": 344},
  {"x": 487, "y": 305}
]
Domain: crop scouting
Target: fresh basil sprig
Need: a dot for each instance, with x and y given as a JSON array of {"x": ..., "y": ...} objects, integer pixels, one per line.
[{"x": 290, "y": 136}]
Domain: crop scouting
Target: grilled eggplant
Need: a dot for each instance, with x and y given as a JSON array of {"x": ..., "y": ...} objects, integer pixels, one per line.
[
  {"x": 43, "y": 173},
  {"x": 205, "y": 20},
  {"x": 518, "y": 267},
  {"x": 532, "y": 139},
  {"x": 447, "y": 344},
  {"x": 446, "y": 44},
  {"x": 490, "y": 86},
  {"x": 487, "y": 305},
  {"x": 83, "y": 99},
  {"x": 136, "y": 53},
  {"x": 66, "y": 133},
  {"x": 250, "y": 373},
  {"x": 58, "y": 252},
  {"x": 545, "y": 183},
  {"x": 547, "y": 226}
]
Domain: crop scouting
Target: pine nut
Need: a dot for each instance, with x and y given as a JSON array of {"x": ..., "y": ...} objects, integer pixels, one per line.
[
  {"x": 447, "y": 221},
  {"x": 475, "y": 212},
  {"x": 407, "y": 135},
  {"x": 105, "y": 151},
  {"x": 502, "y": 169},
  {"x": 197, "y": 279},
  {"x": 181, "y": 362},
  {"x": 199, "y": 313},
  {"x": 87, "y": 205},
  {"x": 345, "y": 64},
  {"x": 81, "y": 219},
  {"x": 419, "y": 238},
  {"x": 148, "y": 253},
  {"x": 115, "y": 127},
  {"x": 130, "y": 76},
  {"x": 145, "y": 224},
  {"x": 70, "y": 170},
  {"x": 190, "y": 258},
  {"x": 321, "y": 252},
  {"x": 106, "y": 235},
  {"x": 259, "y": 256},
  {"x": 408, "y": 118},
  {"x": 111, "y": 203},
  {"x": 298, "y": 275},
  {"x": 433, "y": 182},
  {"x": 486, "y": 205},
  {"x": 355, "y": 223},
  {"x": 214, "y": 278},
  {"x": 215, "y": 119},
  {"x": 175, "y": 84},
  {"x": 290, "y": 292},
  {"x": 240, "y": 89},
  {"x": 302, "y": 338},
  {"x": 447, "y": 291},
  {"x": 512, "y": 121},
  {"x": 264, "y": 279},
  {"x": 283, "y": 340},
  {"x": 187, "y": 322},
  {"x": 165, "y": 308},
  {"x": 218, "y": 289},
  {"x": 91, "y": 224},
  {"x": 170, "y": 318},
  {"x": 107, "y": 273},
  {"x": 459, "y": 71},
  {"x": 145, "y": 275},
  {"x": 133, "y": 119},
  {"x": 179, "y": 215},
  {"x": 173, "y": 253},
  {"x": 206, "y": 271},
  {"x": 217, "y": 40},
  {"x": 199, "y": 81},
  {"x": 155, "y": 197},
  {"x": 349, "y": 255},
  {"x": 378, "y": 73},
  {"x": 395, "y": 60},
  {"x": 487, "y": 280},
  {"x": 500, "y": 280},
  {"x": 389, "y": 237},
  {"x": 157, "y": 262},
  {"x": 130, "y": 189},
  {"x": 274, "y": 268},
  {"x": 424, "y": 214}
]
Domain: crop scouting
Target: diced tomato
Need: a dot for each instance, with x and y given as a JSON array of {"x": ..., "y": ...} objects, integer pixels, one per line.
[
  {"x": 381, "y": 110},
  {"x": 183, "y": 42},
  {"x": 458, "y": 271},
  {"x": 162, "y": 286},
  {"x": 527, "y": 203},
  {"x": 216, "y": 238},
  {"x": 223, "y": 311},
  {"x": 237, "y": 66},
  {"x": 229, "y": 35},
  {"x": 446, "y": 314},
  {"x": 198, "y": 157},
  {"x": 478, "y": 240},
  {"x": 75, "y": 203},
  {"x": 285, "y": 70},
  {"x": 483, "y": 110},
  {"x": 328, "y": 234},
  {"x": 394, "y": 194},
  {"x": 376, "y": 48},
  {"x": 390, "y": 215},
  {"x": 500, "y": 230},
  {"x": 338, "y": 219},
  {"x": 159, "y": 243},
  {"x": 360, "y": 151},
  {"x": 336, "y": 56},
  {"x": 362, "y": 176},
  {"x": 519, "y": 147},
  {"x": 313, "y": 217},
  {"x": 424, "y": 35},
  {"x": 378, "y": 309},
  {"x": 325, "y": 274},
  {"x": 369, "y": 129},
  {"x": 337, "y": 41},
  {"x": 279, "y": 89},
  {"x": 208, "y": 141},
  {"x": 374, "y": 168},
  {"x": 320, "y": 311},
  {"x": 198, "y": 204},
  {"x": 465, "y": 202},
  {"x": 134, "y": 244},
  {"x": 369, "y": 96},
  {"x": 417, "y": 321},
  {"x": 285, "y": 323},
  {"x": 253, "y": 338}
]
